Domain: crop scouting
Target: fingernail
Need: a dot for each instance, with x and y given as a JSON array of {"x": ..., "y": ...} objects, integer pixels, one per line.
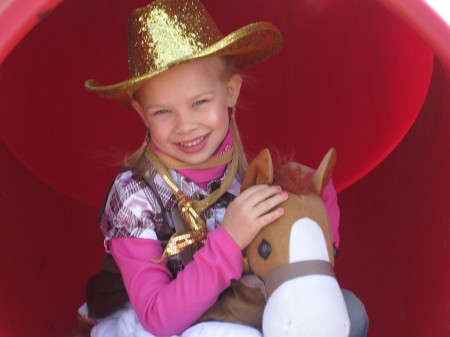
[{"x": 284, "y": 194}]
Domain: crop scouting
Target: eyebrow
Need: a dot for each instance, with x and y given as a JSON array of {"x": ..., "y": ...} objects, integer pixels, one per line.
[
  {"x": 203, "y": 94},
  {"x": 194, "y": 98}
]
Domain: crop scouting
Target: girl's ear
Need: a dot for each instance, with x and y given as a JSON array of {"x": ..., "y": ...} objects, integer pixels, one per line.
[
  {"x": 234, "y": 87},
  {"x": 138, "y": 107}
]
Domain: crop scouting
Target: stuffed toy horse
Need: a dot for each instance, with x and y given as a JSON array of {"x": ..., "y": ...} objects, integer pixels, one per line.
[{"x": 288, "y": 287}]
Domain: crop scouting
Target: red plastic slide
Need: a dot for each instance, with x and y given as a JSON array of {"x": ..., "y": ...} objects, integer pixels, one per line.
[{"x": 370, "y": 78}]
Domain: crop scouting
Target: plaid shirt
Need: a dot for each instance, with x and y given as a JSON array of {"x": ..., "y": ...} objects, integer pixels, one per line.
[{"x": 132, "y": 209}]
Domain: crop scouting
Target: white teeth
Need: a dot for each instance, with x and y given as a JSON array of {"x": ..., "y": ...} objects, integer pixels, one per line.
[{"x": 193, "y": 143}]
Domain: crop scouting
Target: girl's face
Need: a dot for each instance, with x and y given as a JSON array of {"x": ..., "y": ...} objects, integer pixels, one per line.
[{"x": 186, "y": 108}]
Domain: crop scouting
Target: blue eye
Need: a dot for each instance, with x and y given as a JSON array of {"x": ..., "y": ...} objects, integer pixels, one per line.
[
  {"x": 161, "y": 112},
  {"x": 200, "y": 102}
]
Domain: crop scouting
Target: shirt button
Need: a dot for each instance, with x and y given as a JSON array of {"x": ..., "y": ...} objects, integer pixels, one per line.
[{"x": 209, "y": 213}]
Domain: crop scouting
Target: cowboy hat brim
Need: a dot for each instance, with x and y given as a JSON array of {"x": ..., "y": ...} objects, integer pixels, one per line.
[{"x": 249, "y": 45}]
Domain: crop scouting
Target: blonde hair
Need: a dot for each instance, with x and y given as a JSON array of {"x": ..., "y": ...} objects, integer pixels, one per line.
[
  {"x": 132, "y": 160},
  {"x": 243, "y": 163},
  {"x": 230, "y": 69}
]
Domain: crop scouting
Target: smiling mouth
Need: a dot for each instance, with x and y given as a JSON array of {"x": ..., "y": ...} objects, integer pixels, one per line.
[{"x": 192, "y": 142}]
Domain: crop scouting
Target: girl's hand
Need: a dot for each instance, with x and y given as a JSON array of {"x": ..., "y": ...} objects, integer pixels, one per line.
[{"x": 251, "y": 211}]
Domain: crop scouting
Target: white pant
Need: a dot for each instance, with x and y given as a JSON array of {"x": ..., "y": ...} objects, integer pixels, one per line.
[{"x": 125, "y": 323}]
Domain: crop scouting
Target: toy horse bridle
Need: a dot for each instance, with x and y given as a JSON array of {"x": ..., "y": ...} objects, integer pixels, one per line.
[{"x": 293, "y": 270}]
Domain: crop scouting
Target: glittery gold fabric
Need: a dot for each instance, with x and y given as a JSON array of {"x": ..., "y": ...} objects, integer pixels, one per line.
[{"x": 169, "y": 32}]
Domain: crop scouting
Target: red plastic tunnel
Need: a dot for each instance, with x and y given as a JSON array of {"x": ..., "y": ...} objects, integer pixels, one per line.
[{"x": 370, "y": 78}]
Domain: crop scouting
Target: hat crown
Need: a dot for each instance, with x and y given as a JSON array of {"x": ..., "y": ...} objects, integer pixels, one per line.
[{"x": 166, "y": 32}]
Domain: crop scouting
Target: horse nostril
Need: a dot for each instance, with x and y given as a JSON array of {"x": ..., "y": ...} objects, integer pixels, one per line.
[{"x": 264, "y": 249}]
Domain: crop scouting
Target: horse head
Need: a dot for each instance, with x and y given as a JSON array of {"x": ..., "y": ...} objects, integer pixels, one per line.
[{"x": 294, "y": 257}]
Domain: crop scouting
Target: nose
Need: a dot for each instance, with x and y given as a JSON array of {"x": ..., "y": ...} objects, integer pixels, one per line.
[{"x": 185, "y": 121}]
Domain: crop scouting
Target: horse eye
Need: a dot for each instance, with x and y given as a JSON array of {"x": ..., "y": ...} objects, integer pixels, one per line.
[{"x": 264, "y": 249}]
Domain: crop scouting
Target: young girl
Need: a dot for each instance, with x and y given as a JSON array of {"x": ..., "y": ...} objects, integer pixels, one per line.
[{"x": 174, "y": 220}]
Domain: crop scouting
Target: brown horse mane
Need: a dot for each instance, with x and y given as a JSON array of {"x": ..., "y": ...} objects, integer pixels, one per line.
[{"x": 291, "y": 177}]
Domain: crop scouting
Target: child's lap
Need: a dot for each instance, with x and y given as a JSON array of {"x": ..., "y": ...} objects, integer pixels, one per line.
[{"x": 126, "y": 324}]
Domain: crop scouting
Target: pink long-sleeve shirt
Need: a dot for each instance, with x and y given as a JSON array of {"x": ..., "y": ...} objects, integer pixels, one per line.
[{"x": 167, "y": 306}]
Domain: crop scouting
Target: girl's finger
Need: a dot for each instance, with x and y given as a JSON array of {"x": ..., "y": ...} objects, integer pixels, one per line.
[
  {"x": 270, "y": 217},
  {"x": 256, "y": 190},
  {"x": 256, "y": 196},
  {"x": 269, "y": 203}
]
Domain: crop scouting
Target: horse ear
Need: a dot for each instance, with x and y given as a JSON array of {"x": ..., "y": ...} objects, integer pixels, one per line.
[
  {"x": 260, "y": 171},
  {"x": 324, "y": 172}
]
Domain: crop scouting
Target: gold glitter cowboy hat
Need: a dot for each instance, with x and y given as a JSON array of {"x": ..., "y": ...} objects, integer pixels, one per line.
[{"x": 170, "y": 32}]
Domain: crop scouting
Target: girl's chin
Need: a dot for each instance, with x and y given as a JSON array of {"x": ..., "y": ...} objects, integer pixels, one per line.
[{"x": 193, "y": 159}]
